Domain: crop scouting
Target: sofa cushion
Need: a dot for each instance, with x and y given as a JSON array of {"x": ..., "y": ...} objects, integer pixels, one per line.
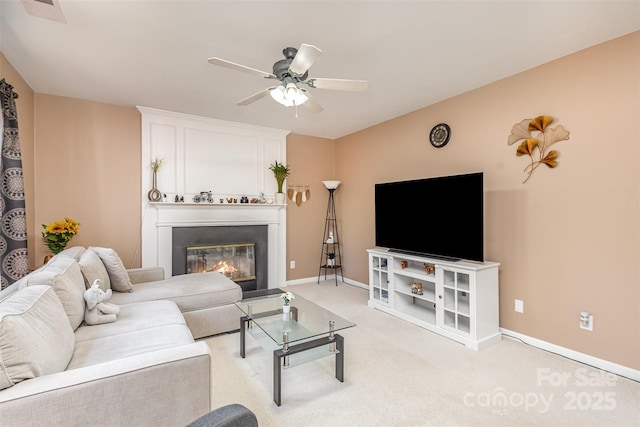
[
  {"x": 64, "y": 275},
  {"x": 137, "y": 316},
  {"x": 92, "y": 268},
  {"x": 191, "y": 292},
  {"x": 9, "y": 290},
  {"x": 140, "y": 328},
  {"x": 132, "y": 343},
  {"x": 35, "y": 336},
  {"x": 115, "y": 268},
  {"x": 74, "y": 252}
]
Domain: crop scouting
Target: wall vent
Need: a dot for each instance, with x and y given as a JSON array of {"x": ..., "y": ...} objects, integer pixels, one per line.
[{"x": 48, "y": 9}]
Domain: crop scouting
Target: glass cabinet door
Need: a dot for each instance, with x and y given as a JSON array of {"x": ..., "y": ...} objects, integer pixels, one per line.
[
  {"x": 456, "y": 300},
  {"x": 379, "y": 279}
]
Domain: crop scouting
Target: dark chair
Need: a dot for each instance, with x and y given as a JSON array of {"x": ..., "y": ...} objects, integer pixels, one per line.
[{"x": 234, "y": 415}]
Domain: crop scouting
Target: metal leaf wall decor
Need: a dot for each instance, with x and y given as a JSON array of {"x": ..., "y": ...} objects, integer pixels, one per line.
[{"x": 537, "y": 137}]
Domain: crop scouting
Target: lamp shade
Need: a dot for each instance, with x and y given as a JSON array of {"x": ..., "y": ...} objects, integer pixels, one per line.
[
  {"x": 289, "y": 96},
  {"x": 331, "y": 185},
  {"x": 278, "y": 95}
]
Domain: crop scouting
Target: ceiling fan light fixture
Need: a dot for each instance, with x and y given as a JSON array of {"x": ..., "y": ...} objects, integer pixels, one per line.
[
  {"x": 299, "y": 98},
  {"x": 289, "y": 96},
  {"x": 291, "y": 91},
  {"x": 278, "y": 95}
]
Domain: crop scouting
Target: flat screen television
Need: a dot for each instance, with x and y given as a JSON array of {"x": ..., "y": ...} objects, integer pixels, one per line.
[{"x": 439, "y": 217}]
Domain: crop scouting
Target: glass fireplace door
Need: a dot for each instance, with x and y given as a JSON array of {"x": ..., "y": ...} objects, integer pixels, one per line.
[{"x": 235, "y": 261}]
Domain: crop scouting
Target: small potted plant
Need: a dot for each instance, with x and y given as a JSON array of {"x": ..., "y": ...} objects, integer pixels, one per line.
[
  {"x": 287, "y": 297},
  {"x": 280, "y": 172}
]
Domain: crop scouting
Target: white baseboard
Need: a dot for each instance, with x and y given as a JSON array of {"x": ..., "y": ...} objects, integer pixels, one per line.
[
  {"x": 301, "y": 281},
  {"x": 356, "y": 284},
  {"x": 329, "y": 277},
  {"x": 605, "y": 365}
]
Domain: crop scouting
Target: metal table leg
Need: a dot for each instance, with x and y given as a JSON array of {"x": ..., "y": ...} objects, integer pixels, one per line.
[{"x": 280, "y": 354}]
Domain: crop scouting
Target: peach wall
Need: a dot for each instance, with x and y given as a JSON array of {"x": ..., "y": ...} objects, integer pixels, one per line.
[
  {"x": 312, "y": 161},
  {"x": 24, "y": 105},
  {"x": 87, "y": 162},
  {"x": 568, "y": 239}
]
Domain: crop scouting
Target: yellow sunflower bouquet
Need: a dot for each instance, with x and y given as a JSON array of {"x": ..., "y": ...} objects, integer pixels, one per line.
[{"x": 58, "y": 234}]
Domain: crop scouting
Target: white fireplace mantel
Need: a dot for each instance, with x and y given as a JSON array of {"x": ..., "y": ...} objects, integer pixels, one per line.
[
  {"x": 202, "y": 154},
  {"x": 165, "y": 216}
]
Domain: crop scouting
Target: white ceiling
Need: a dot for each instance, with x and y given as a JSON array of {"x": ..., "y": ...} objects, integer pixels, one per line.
[{"x": 153, "y": 53}]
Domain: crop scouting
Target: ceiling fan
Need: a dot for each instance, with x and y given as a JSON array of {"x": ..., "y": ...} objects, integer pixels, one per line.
[{"x": 292, "y": 72}]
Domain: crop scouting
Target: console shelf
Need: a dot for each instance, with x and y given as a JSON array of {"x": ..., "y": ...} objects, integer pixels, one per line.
[{"x": 456, "y": 299}]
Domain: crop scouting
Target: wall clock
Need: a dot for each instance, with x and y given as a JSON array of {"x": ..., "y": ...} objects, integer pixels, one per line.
[{"x": 440, "y": 135}]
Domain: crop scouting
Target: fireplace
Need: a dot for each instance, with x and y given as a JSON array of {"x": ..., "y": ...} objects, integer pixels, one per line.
[
  {"x": 238, "y": 252},
  {"x": 237, "y": 262},
  {"x": 195, "y": 221}
]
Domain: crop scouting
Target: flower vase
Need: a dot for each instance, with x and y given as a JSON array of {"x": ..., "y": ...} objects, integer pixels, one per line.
[
  {"x": 280, "y": 199},
  {"x": 47, "y": 258},
  {"x": 154, "y": 194},
  {"x": 286, "y": 309}
]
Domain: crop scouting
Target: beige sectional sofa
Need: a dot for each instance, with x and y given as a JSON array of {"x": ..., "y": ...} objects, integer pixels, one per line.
[{"x": 143, "y": 369}]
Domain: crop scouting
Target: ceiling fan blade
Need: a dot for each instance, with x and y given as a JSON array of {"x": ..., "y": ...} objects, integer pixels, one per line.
[
  {"x": 311, "y": 104},
  {"x": 306, "y": 56},
  {"x": 340, "y": 84},
  {"x": 255, "y": 97},
  {"x": 238, "y": 67}
]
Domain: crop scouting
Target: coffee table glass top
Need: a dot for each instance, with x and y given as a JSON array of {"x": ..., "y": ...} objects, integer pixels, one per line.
[{"x": 312, "y": 320}]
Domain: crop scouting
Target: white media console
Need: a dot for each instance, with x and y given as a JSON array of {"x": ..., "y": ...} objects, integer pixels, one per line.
[{"x": 456, "y": 299}]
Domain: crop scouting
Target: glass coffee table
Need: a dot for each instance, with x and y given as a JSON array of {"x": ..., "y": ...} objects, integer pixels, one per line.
[{"x": 307, "y": 332}]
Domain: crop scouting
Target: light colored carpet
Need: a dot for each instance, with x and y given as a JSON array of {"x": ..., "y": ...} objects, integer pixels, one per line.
[{"x": 397, "y": 374}]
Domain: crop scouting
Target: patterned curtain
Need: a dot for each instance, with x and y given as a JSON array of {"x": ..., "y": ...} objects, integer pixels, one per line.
[{"x": 14, "y": 257}]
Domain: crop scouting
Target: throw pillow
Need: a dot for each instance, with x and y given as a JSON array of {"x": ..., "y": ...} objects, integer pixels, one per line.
[
  {"x": 35, "y": 336},
  {"x": 93, "y": 268},
  {"x": 64, "y": 275},
  {"x": 118, "y": 275}
]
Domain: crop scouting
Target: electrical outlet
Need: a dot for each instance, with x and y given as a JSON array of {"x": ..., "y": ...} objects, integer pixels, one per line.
[
  {"x": 586, "y": 321},
  {"x": 519, "y": 306},
  {"x": 292, "y": 265}
]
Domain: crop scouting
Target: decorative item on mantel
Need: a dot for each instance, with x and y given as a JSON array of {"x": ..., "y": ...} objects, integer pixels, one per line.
[
  {"x": 287, "y": 297},
  {"x": 536, "y": 134},
  {"x": 154, "y": 194},
  {"x": 58, "y": 234},
  {"x": 204, "y": 196},
  {"x": 280, "y": 172}
]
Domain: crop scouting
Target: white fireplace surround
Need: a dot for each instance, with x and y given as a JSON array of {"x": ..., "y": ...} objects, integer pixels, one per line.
[
  {"x": 169, "y": 215},
  {"x": 201, "y": 154}
]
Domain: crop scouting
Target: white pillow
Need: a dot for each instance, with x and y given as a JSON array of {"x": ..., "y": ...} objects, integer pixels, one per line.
[
  {"x": 35, "y": 336},
  {"x": 93, "y": 268},
  {"x": 65, "y": 276},
  {"x": 118, "y": 275}
]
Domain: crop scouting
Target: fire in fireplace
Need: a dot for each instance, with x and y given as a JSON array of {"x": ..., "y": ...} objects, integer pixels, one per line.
[{"x": 235, "y": 261}]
